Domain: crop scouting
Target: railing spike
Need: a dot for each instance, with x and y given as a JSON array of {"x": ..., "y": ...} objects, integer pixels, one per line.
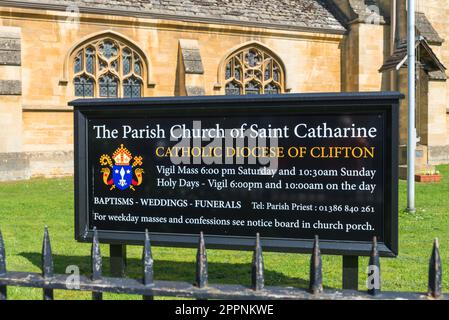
[
  {"x": 316, "y": 269},
  {"x": 257, "y": 270},
  {"x": 435, "y": 272},
  {"x": 148, "y": 272},
  {"x": 201, "y": 263},
  {"x": 374, "y": 279},
  {"x": 47, "y": 257},
  {"x": 97, "y": 263},
  {"x": 147, "y": 259},
  {"x": 47, "y": 263},
  {"x": 3, "y": 289}
]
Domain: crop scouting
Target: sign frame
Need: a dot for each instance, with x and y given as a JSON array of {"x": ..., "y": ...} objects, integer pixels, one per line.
[{"x": 295, "y": 104}]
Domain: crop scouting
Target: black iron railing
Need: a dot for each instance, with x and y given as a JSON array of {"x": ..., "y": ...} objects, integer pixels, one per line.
[{"x": 147, "y": 287}]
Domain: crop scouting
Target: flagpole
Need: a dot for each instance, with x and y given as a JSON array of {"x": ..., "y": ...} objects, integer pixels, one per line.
[{"x": 411, "y": 150}]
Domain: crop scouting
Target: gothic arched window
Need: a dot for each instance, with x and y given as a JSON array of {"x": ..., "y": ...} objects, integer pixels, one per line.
[
  {"x": 107, "y": 68},
  {"x": 252, "y": 70}
]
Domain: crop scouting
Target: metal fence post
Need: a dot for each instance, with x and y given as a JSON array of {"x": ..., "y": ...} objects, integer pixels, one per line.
[
  {"x": 316, "y": 269},
  {"x": 374, "y": 270},
  {"x": 351, "y": 272},
  {"x": 257, "y": 270},
  {"x": 117, "y": 260}
]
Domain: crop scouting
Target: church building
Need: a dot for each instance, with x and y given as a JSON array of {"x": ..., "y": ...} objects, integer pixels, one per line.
[{"x": 55, "y": 51}]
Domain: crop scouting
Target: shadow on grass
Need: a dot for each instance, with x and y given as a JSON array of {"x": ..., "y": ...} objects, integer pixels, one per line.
[{"x": 219, "y": 273}]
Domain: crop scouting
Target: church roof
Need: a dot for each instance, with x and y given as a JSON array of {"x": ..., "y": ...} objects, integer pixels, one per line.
[
  {"x": 426, "y": 30},
  {"x": 426, "y": 57},
  {"x": 291, "y": 14}
]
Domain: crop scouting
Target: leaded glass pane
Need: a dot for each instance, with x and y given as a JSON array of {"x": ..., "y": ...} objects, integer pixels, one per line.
[
  {"x": 233, "y": 89},
  {"x": 137, "y": 65},
  {"x": 126, "y": 62},
  {"x": 84, "y": 86},
  {"x": 238, "y": 73},
  {"x": 79, "y": 91},
  {"x": 252, "y": 58},
  {"x": 126, "y": 65},
  {"x": 127, "y": 92},
  {"x": 228, "y": 70},
  {"x": 108, "y": 49},
  {"x": 108, "y": 86},
  {"x": 252, "y": 88},
  {"x": 267, "y": 75},
  {"x": 271, "y": 89},
  {"x": 103, "y": 91},
  {"x": 276, "y": 74},
  {"x": 89, "y": 89},
  {"x": 90, "y": 60},
  {"x": 112, "y": 91},
  {"x": 78, "y": 65},
  {"x": 138, "y": 68},
  {"x": 136, "y": 91},
  {"x": 132, "y": 88}
]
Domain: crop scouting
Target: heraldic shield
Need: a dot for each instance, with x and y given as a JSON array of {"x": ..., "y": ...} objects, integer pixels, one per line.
[
  {"x": 122, "y": 171},
  {"x": 122, "y": 176}
]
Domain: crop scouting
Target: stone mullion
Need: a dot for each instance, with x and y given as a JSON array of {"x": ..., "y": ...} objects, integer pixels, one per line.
[
  {"x": 98, "y": 72},
  {"x": 246, "y": 68},
  {"x": 281, "y": 77},
  {"x": 120, "y": 75},
  {"x": 265, "y": 65},
  {"x": 242, "y": 73}
]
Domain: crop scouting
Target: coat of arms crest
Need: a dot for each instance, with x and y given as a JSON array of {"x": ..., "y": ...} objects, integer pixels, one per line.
[{"x": 122, "y": 172}]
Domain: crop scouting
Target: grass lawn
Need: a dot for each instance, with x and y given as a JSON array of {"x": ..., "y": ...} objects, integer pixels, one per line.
[{"x": 26, "y": 207}]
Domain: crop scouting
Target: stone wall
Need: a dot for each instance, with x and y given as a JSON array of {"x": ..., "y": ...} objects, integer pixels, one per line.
[
  {"x": 437, "y": 11},
  {"x": 185, "y": 57},
  {"x": 10, "y": 89},
  {"x": 24, "y": 165},
  {"x": 365, "y": 49},
  {"x": 38, "y": 123}
]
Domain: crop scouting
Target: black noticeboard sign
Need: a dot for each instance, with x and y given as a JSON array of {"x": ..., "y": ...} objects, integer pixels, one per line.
[{"x": 286, "y": 166}]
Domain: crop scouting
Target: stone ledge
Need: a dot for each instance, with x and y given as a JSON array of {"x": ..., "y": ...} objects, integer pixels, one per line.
[
  {"x": 439, "y": 155},
  {"x": 10, "y": 87},
  {"x": 30, "y": 108},
  {"x": 14, "y": 166},
  {"x": 51, "y": 164},
  {"x": 25, "y": 165}
]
